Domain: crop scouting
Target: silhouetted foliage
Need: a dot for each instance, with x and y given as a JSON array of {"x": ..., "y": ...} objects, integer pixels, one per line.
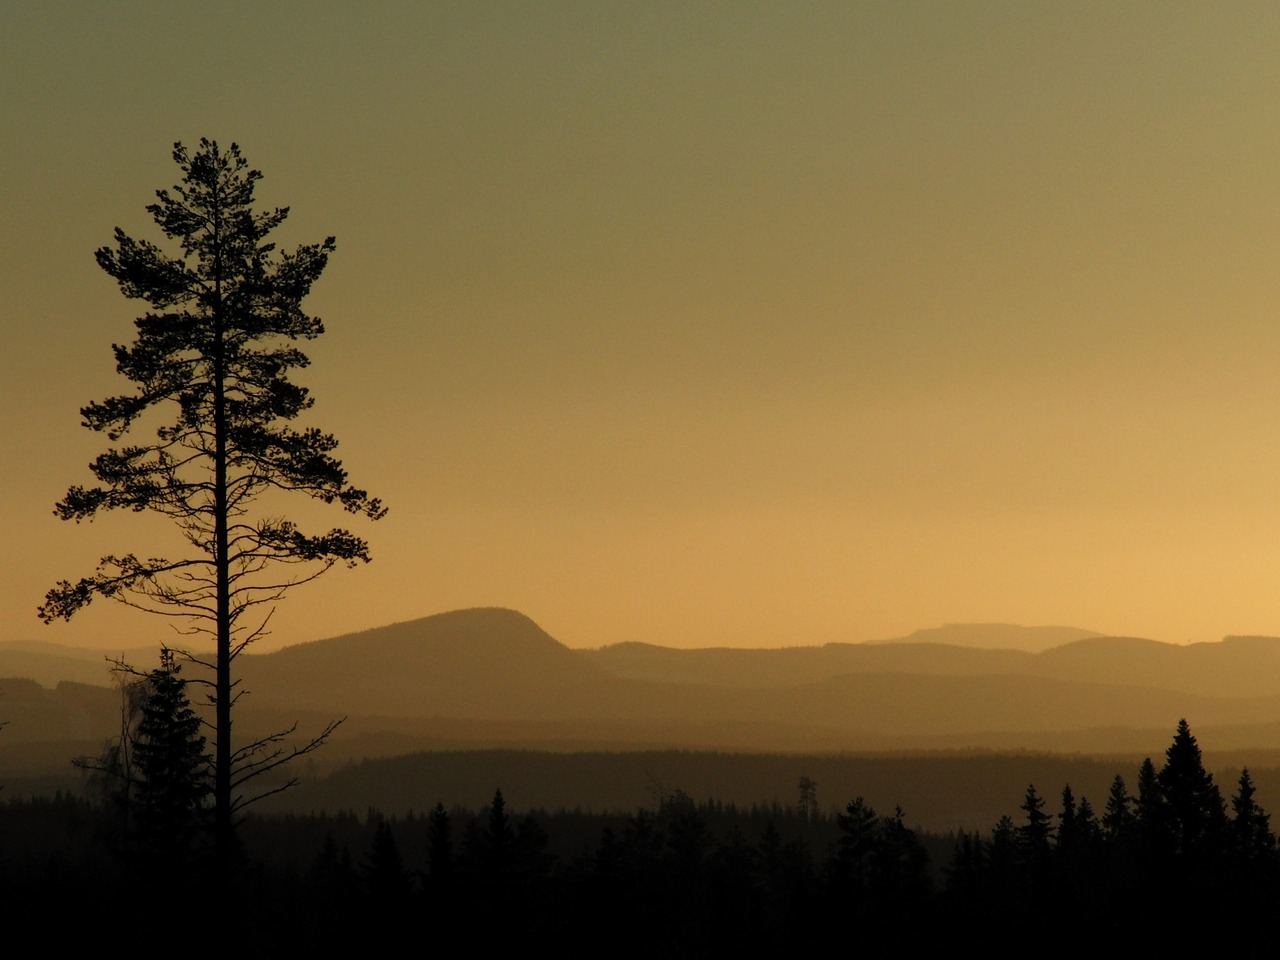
[
  {"x": 440, "y": 857},
  {"x": 1152, "y": 813},
  {"x": 173, "y": 780},
  {"x": 112, "y": 774},
  {"x": 1118, "y": 819},
  {"x": 707, "y": 879},
  {"x": 1196, "y": 814},
  {"x": 1037, "y": 830},
  {"x": 1250, "y": 824},
  {"x": 155, "y": 775},
  {"x": 333, "y": 873},
  {"x": 334, "y": 887},
  {"x": 1114, "y": 882},
  {"x": 899, "y": 867},
  {"x": 1088, "y": 830},
  {"x": 385, "y": 877},
  {"x": 216, "y": 347},
  {"x": 1067, "y": 818},
  {"x": 495, "y": 846}
]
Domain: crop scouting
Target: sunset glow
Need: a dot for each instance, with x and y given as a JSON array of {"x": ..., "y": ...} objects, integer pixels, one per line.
[{"x": 701, "y": 324}]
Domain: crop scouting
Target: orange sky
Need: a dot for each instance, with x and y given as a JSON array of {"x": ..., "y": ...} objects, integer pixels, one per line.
[{"x": 700, "y": 324}]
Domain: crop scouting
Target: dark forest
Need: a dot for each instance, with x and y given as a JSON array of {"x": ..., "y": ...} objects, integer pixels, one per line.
[{"x": 1165, "y": 857}]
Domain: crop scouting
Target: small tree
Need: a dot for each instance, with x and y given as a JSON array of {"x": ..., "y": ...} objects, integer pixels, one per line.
[
  {"x": 1118, "y": 818},
  {"x": 155, "y": 775},
  {"x": 1037, "y": 831},
  {"x": 441, "y": 863},
  {"x": 851, "y": 856},
  {"x": 1088, "y": 830},
  {"x": 1250, "y": 824},
  {"x": 385, "y": 877},
  {"x": 1068, "y": 819},
  {"x": 112, "y": 773},
  {"x": 899, "y": 864},
  {"x": 500, "y": 837},
  {"x": 1152, "y": 812},
  {"x": 216, "y": 349},
  {"x": 172, "y": 766},
  {"x": 1002, "y": 852},
  {"x": 808, "y": 806}
]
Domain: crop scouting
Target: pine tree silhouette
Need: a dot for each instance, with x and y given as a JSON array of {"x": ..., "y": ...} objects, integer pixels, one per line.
[
  {"x": 1197, "y": 815},
  {"x": 1250, "y": 824}
]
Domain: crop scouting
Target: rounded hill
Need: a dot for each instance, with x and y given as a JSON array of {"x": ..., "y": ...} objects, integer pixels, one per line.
[{"x": 483, "y": 661}]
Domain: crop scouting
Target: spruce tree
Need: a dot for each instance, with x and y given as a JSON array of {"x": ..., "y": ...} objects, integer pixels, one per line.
[
  {"x": 851, "y": 862},
  {"x": 1038, "y": 829},
  {"x": 1007, "y": 878},
  {"x": 1197, "y": 815},
  {"x": 1067, "y": 819},
  {"x": 499, "y": 839},
  {"x": 440, "y": 856},
  {"x": 899, "y": 864},
  {"x": 171, "y": 765},
  {"x": 1118, "y": 818},
  {"x": 1154, "y": 822},
  {"x": 1088, "y": 832},
  {"x": 1088, "y": 849},
  {"x": 385, "y": 877},
  {"x": 1251, "y": 833},
  {"x": 1004, "y": 841}
]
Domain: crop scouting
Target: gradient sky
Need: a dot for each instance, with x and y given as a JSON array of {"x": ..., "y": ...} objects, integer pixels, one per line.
[{"x": 746, "y": 324}]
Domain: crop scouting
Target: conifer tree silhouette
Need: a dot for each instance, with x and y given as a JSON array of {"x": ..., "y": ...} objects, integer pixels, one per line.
[
  {"x": 1250, "y": 824},
  {"x": 1036, "y": 832},
  {"x": 172, "y": 765},
  {"x": 384, "y": 875},
  {"x": 440, "y": 855},
  {"x": 1118, "y": 818},
  {"x": 1195, "y": 809},
  {"x": 216, "y": 349}
]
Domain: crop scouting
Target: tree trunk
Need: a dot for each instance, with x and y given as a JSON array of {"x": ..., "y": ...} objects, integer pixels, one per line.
[{"x": 223, "y": 827}]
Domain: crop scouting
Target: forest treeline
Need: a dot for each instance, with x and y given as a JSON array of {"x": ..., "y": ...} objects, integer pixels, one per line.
[{"x": 1169, "y": 859}]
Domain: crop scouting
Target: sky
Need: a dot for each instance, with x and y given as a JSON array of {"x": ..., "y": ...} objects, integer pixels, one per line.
[{"x": 698, "y": 324}]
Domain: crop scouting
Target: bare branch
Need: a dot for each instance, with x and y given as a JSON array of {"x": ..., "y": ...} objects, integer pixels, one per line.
[{"x": 269, "y": 753}]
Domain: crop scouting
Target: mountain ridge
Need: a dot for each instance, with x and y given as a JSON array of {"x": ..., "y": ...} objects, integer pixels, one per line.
[{"x": 493, "y": 674}]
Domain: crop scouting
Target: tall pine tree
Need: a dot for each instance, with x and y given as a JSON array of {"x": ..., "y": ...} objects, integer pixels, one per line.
[{"x": 215, "y": 349}]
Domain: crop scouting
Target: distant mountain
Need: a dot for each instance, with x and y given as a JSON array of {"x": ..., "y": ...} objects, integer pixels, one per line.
[
  {"x": 758, "y": 669},
  {"x": 494, "y": 677},
  {"x": 996, "y": 636},
  {"x": 471, "y": 663},
  {"x": 496, "y": 665},
  {"x": 1235, "y": 667},
  {"x": 50, "y": 663}
]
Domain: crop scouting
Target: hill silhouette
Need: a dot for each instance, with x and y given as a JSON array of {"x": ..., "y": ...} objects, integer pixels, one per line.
[
  {"x": 51, "y": 663},
  {"x": 493, "y": 677},
  {"x": 487, "y": 662},
  {"x": 996, "y": 636}
]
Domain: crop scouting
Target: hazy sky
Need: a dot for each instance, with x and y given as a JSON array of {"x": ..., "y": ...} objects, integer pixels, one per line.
[{"x": 699, "y": 323}]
